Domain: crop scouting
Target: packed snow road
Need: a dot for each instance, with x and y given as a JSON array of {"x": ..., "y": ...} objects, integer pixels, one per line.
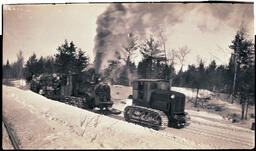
[
  {"x": 39, "y": 122},
  {"x": 206, "y": 128}
]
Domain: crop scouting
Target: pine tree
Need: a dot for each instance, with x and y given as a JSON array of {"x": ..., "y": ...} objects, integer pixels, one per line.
[
  {"x": 243, "y": 52},
  {"x": 69, "y": 59},
  {"x": 199, "y": 79},
  {"x": 7, "y": 70},
  {"x": 31, "y": 67},
  {"x": 81, "y": 61},
  {"x": 151, "y": 54},
  {"x": 19, "y": 65},
  {"x": 142, "y": 69},
  {"x": 211, "y": 73},
  {"x": 129, "y": 53}
]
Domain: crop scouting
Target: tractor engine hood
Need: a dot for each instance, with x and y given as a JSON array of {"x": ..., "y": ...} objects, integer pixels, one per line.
[
  {"x": 170, "y": 101},
  {"x": 167, "y": 95}
]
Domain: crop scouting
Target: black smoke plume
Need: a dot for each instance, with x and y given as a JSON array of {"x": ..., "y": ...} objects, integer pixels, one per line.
[{"x": 120, "y": 19}]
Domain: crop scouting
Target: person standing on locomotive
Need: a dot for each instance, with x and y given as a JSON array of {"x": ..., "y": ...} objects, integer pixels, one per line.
[
  {"x": 102, "y": 94},
  {"x": 107, "y": 90}
]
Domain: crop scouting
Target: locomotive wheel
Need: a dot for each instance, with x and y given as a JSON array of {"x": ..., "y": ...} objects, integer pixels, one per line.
[
  {"x": 127, "y": 114},
  {"x": 89, "y": 104}
]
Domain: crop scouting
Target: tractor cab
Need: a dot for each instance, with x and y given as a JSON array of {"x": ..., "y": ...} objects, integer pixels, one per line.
[{"x": 143, "y": 88}]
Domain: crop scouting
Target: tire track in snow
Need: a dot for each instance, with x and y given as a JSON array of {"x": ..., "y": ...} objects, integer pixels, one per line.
[
  {"x": 224, "y": 130},
  {"x": 202, "y": 129},
  {"x": 223, "y": 136},
  {"x": 219, "y": 125},
  {"x": 211, "y": 136},
  {"x": 218, "y": 133}
]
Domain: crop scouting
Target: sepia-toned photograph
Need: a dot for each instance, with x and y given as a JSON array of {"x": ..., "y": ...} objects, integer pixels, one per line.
[{"x": 128, "y": 75}]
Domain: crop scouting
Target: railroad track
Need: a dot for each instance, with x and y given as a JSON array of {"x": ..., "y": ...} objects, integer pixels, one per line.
[{"x": 13, "y": 139}]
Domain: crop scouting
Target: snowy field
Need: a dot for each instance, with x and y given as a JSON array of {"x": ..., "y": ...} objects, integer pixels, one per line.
[{"x": 41, "y": 123}]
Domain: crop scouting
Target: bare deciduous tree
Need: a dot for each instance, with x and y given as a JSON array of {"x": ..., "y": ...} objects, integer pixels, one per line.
[
  {"x": 19, "y": 64},
  {"x": 182, "y": 53}
]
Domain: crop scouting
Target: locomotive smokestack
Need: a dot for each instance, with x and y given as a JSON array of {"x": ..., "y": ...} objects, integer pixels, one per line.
[{"x": 97, "y": 61}]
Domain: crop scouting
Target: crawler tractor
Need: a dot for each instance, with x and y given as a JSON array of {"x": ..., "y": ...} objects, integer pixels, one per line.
[{"x": 155, "y": 106}]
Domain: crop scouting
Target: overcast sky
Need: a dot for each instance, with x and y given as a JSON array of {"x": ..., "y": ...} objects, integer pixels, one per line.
[{"x": 207, "y": 29}]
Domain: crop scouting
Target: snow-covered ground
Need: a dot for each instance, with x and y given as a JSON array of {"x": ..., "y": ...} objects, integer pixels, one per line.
[
  {"x": 190, "y": 93},
  {"x": 204, "y": 123},
  {"x": 41, "y": 123}
]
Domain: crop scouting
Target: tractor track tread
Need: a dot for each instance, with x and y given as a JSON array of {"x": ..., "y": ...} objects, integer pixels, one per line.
[{"x": 164, "y": 118}]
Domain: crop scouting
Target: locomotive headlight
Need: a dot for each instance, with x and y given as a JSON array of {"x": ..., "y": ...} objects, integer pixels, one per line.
[{"x": 172, "y": 96}]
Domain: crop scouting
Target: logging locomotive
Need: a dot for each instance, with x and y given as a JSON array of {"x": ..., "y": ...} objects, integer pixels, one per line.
[
  {"x": 154, "y": 105},
  {"x": 85, "y": 90}
]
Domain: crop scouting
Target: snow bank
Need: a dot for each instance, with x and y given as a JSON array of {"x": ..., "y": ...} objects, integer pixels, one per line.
[
  {"x": 192, "y": 92},
  {"x": 19, "y": 83},
  {"x": 120, "y": 91},
  {"x": 121, "y": 104},
  {"x": 205, "y": 114},
  {"x": 77, "y": 128}
]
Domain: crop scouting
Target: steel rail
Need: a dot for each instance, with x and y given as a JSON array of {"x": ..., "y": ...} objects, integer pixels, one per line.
[{"x": 11, "y": 136}]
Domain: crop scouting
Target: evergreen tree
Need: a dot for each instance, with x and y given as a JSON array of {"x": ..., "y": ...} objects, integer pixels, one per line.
[
  {"x": 142, "y": 69},
  {"x": 31, "y": 67},
  {"x": 151, "y": 55},
  {"x": 211, "y": 73},
  {"x": 244, "y": 59},
  {"x": 69, "y": 59},
  {"x": 81, "y": 61},
  {"x": 49, "y": 65},
  {"x": 7, "y": 70},
  {"x": 110, "y": 73},
  {"x": 18, "y": 66},
  {"x": 65, "y": 57},
  {"x": 242, "y": 54},
  {"x": 199, "y": 79},
  {"x": 40, "y": 65},
  {"x": 130, "y": 48}
]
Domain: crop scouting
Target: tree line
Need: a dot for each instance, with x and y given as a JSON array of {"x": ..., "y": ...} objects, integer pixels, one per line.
[
  {"x": 68, "y": 59},
  {"x": 237, "y": 78}
]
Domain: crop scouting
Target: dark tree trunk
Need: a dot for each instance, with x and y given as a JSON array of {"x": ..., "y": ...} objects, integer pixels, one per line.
[
  {"x": 247, "y": 106},
  {"x": 243, "y": 106},
  {"x": 197, "y": 91}
]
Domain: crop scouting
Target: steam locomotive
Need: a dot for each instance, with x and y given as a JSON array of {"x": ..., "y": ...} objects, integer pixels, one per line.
[{"x": 84, "y": 90}]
